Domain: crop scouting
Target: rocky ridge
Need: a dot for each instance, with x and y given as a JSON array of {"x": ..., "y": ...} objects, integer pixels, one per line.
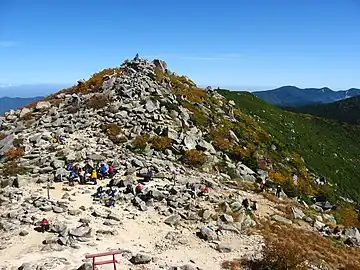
[{"x": 116, "y": 122}]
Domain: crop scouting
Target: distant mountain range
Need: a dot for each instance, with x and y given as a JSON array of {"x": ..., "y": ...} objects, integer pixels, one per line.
[
  {"x": 347, "y": 110},
  {"x": 293, "y": 96},
  {"x": 8, "y": 103},
  {"x": 30, "y": 90},
  {"x": 15, "y": 96}
]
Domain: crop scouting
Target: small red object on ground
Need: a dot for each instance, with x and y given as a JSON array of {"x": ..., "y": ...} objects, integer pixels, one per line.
[{"x": 109, "y": 253}]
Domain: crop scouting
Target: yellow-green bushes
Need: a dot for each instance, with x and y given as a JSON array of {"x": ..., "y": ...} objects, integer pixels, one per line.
[{"x": 194, "y": 158}]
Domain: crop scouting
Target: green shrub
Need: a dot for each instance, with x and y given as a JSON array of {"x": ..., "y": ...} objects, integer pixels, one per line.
[
  {"x": 12, "y": 168},
  {"x": 28, "y": 116},
  {"x": 194, "y": 158},
  {"x": 141, "y": 141},
  {"x": 114, "y": 132},
  {"x": 98, "y": 101},
  {"x": 160, "y": 143}
]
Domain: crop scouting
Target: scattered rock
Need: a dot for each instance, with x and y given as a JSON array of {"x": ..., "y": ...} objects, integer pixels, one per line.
[
  {"x": 208, "y": 234},
  {"x": 281, "y": 219},
  {"x": 23, "y": 233},
  {"x": 224, "y": 248},
  {"x": 173, "y": 220},
  {"x": 141, "y": 259}
]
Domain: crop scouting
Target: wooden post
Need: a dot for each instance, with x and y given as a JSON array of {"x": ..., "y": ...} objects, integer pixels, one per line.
[{"x": 48, "y": 190}]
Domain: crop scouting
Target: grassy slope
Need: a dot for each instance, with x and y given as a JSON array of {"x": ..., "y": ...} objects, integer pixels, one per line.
[
  {"x": 329, "y": 148},
  {"x": 347, "y": 110}
]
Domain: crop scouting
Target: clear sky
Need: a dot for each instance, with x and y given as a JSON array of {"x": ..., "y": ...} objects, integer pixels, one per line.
[{"x": 233, "y": 43}]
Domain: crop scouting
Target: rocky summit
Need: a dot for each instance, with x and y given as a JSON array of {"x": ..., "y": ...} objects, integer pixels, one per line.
[{"x": 176, "y": 199}]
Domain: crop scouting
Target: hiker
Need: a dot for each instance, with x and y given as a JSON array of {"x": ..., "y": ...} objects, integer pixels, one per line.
[
  {"x": 45, "y": 226},
  {"x": 254, "y": 205},
  {"x": 129, "y": 189},
  {"x": 111, "y": 171},
  {"x": 69, "y": 166},
  {"x": 54, "y": 140},
  {"x": 103, "y": 171},
  {"x": 73, "y": 176},
  {"x": 278, "y": 191},
  {"x": 246, "y": 204},
  {"x": 136, "y": 57},
  {"x": 204, "y": 192},
  {"x": 113, "y": 191},
  {"x": 148, "y": 176},
  {"x": 263, "y": 185},
  {"x": 193, "y": 190},
  {"x": 61, "y": 139},
  {"x": 88, "y": 168},
  {"x": 111, "y": 183},
  {"x": 82, "y": 177},
  {"x": 100, "y": 192},
  {"x": 110, "y": 202},
  {"x": 94, "y": 176},
  {"x": 138, "y": 189},
  {"x": 337, "y": 232}
]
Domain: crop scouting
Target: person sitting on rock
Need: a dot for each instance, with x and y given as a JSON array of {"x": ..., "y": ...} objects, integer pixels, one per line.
[
  {"x": 62, "y": 139},
  {"x": 94, "y": 176},
  {"x": 129, "y": 189},
  {"x": 103, "y": 171},
  {"x": 204, "y": 192},
  {"x": 69, "y": 166},
  {"x": 111, "y": 171},
  {"x": 337, "y": 232},
  {"x": 138, "y": 189},
  {"x": 72, "y": 178},
  {"x": 110, "y": 202},
  {"x": 113, "y": 191},
  {"x": 45, "y": 226},
  {"x": 100, "y": 192},
  {"x": 111, "y": 183},
  {"x": 193, "y": 190},
  {"x": 82, "y": 176}
]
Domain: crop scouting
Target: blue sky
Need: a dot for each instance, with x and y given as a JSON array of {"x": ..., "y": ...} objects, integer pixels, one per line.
[{"x": 239, "y": 44}]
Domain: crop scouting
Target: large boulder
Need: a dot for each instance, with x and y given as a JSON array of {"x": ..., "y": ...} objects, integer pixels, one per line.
[
  {"x": 160, "y": 64},
  {"x": 244, "y": 172},
  {"x": 82, "y": 231},
  {"x": 6, "y": 144},
  {"x": 141, "y": 259},
  {"x": 281, "y": 219},
  {"x": 173, "y": 220},
  {"x": 189, "y": 142},
  {"x": 208, "y": 233},
  {"x": 41, "y": 105},
  {"x": 24, "y": 111},
  {"x": 297, "y": 213},
  {"x": 20, "y": 181}
]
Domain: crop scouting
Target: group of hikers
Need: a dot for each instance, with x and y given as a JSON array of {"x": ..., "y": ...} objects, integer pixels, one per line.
[
  {"x": 87, "y": 173},
  {"x": 110, "y": 195}
]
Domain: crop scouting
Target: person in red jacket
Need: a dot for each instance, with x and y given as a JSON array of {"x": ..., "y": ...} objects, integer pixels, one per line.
[
  {"x": 138, "y": 189},
  {"x": 45, "y": 226}
]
